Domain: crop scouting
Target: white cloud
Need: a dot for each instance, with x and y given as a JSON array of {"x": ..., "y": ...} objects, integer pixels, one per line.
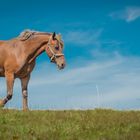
[
  {"x": 82, "y": 38},
  {"x": 76, "y": 75},
  {"x": 129, "y": 14}
]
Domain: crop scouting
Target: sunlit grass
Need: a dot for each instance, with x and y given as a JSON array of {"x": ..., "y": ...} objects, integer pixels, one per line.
[{"x": 70, "y": 125}]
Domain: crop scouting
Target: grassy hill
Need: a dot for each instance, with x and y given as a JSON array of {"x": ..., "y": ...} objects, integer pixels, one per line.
[{"x": 70, "y": 125}]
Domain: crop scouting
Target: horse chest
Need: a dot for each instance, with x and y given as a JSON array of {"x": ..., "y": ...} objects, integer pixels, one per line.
[{"x": 25, "y": 70}]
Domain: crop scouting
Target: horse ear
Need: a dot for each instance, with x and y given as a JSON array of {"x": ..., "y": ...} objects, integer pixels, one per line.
[{"x": 53, "y": 36}]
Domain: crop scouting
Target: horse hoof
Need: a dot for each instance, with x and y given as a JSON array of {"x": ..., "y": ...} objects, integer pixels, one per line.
[{"x": 1, "y": 103}]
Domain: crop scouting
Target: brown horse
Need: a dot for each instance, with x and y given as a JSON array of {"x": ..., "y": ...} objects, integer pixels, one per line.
[{"x": 18, "y": 56}]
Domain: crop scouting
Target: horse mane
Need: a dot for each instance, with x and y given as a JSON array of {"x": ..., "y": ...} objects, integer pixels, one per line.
[
  {"x": 27, "y": 34},
  {"x": 59, "y": 38}
]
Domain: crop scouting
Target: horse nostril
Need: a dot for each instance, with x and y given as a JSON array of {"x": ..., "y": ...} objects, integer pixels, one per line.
[{"x": 62, "y": 65}]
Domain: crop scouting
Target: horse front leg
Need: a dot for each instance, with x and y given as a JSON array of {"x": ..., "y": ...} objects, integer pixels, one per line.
[
  {"x": 24, "y": 84},
  {"x": 10, "y": 82}
]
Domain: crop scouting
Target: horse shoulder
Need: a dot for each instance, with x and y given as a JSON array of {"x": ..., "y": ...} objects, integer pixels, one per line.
[{"x": 12, "y": 55}]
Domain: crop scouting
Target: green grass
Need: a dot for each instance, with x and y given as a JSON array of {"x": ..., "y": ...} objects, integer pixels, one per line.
[{"x": 70, "y": 125}]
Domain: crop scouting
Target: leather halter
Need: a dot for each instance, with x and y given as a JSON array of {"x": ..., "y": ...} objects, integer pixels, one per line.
[{"x": 54, "y": 55}]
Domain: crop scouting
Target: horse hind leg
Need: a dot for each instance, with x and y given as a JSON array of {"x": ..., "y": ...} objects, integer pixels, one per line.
[{"x": 10, "y": 82}]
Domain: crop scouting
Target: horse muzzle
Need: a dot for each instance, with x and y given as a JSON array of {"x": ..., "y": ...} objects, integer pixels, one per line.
[
  {"x": 61, "y": 66},
  {"x": 60, "y": 62}
]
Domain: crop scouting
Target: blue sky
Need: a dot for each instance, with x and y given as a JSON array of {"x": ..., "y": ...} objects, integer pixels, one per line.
[{"x": 102, "y": 49}]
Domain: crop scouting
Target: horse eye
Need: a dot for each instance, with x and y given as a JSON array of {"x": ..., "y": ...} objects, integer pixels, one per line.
[{"x": 57, "y": 47}]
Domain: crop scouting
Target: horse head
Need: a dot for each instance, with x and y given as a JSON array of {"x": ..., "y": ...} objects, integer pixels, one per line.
[{"x": 54, "y": 50}]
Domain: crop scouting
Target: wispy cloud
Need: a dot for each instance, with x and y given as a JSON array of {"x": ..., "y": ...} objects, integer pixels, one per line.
[
  {"x": 84, "y": 37},
  {"x": 129, "y": 14},
  {"x": 77, "y": 75}
]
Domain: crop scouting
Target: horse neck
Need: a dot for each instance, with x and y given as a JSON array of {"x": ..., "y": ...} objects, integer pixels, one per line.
[{"x": 34, "y": 47}]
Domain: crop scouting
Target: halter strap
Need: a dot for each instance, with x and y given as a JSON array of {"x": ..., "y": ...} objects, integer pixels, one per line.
[{"x": 54, "y": 55}]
